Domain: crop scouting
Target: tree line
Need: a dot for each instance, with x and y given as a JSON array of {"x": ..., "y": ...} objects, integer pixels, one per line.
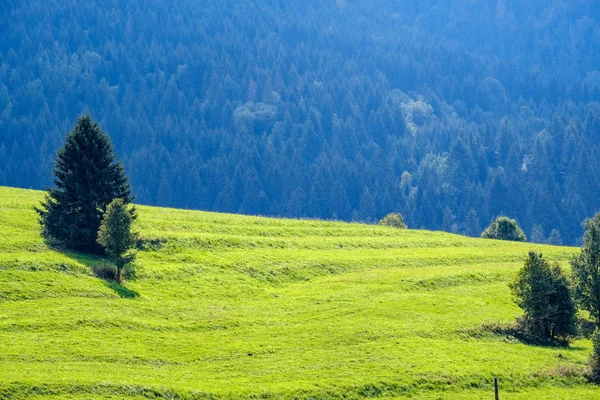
[{"x": 448, "y": 111}]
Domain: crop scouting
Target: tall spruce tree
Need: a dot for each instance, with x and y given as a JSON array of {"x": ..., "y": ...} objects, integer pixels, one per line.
[{"x": 87, "y": 179}]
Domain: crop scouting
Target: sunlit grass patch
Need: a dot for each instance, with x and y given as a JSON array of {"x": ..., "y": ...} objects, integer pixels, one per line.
[{"x": 228, "y": 306}]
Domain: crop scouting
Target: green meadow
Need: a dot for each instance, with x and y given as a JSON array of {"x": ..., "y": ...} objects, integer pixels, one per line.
[{"x": 227, "y": 306}]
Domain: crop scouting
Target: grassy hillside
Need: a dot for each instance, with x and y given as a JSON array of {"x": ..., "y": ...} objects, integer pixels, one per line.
[{"x": 227, "y": 306}]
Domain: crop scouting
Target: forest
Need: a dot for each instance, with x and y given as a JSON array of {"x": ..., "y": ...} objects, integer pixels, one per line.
[{"x": 451, "y": 112}]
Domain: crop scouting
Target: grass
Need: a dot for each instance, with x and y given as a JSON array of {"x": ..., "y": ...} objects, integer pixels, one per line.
[{"x": 228, "y": 306}]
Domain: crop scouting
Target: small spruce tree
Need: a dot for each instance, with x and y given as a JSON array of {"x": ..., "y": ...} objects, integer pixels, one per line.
[
  {"x": 116, "y": 236},
  {"x": 542, "y": 291},
  {"x": 504, "y": 228},
  {"x": 87, "y": 179}
]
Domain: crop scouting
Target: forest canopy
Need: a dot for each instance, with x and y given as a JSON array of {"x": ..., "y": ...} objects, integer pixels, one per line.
[{"x": 450, "y": 112}]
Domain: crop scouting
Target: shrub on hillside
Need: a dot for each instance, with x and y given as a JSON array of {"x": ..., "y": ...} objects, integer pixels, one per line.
[
  {"x": 542, "y": 291},
  {"x": 393, "y": 219},
  {"x": 504, "y": 228},
  {"x": 594, "y": 363}
]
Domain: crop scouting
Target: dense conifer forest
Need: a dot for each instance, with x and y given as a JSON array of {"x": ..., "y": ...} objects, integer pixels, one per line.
[{"x": 450, "y": 112}]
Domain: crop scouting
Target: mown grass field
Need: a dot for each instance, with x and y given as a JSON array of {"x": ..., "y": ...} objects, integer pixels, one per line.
[{"x": 227, "y": 306}]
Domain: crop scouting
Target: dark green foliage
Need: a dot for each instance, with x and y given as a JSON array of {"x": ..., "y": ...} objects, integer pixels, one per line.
[
  {"x": 504, "y": 228},
  {"x": 393, "y": 219},
  {"x": 542, "y": 291},
  {"x": 87, "y": 179},
  {"x": 519, "y": 330},
  {"x": 490, "y": 106},
  {"x": 594, "y": 363},
  {"x": 586, "y": 270},
  {"x": 116, "y": 236}
]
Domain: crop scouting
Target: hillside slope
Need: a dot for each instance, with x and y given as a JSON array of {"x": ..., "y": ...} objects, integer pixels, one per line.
[{"x": 227, "y": 306}]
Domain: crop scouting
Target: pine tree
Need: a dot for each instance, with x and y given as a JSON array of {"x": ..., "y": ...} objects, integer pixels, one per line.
[
  {"x": 472, "y": 226},
  {"x": 554, "y": 238},
  {"x": 366, "y": 211},
  {"x": 87, "y": 179},
  {"x": 449, "y": 221},
  {"x": 537, "y": 234}
]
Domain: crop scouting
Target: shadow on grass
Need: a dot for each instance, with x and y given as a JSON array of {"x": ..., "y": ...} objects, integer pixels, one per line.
[
  {"x": 517, "y": 332},
  {"x": 108, "y": 273},
  {"x": 103, "y": 269},
  {"x": 121, "y": 290}
]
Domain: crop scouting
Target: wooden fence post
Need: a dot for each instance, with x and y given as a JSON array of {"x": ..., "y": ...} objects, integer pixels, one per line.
[{"x": 496, "y": 389}]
